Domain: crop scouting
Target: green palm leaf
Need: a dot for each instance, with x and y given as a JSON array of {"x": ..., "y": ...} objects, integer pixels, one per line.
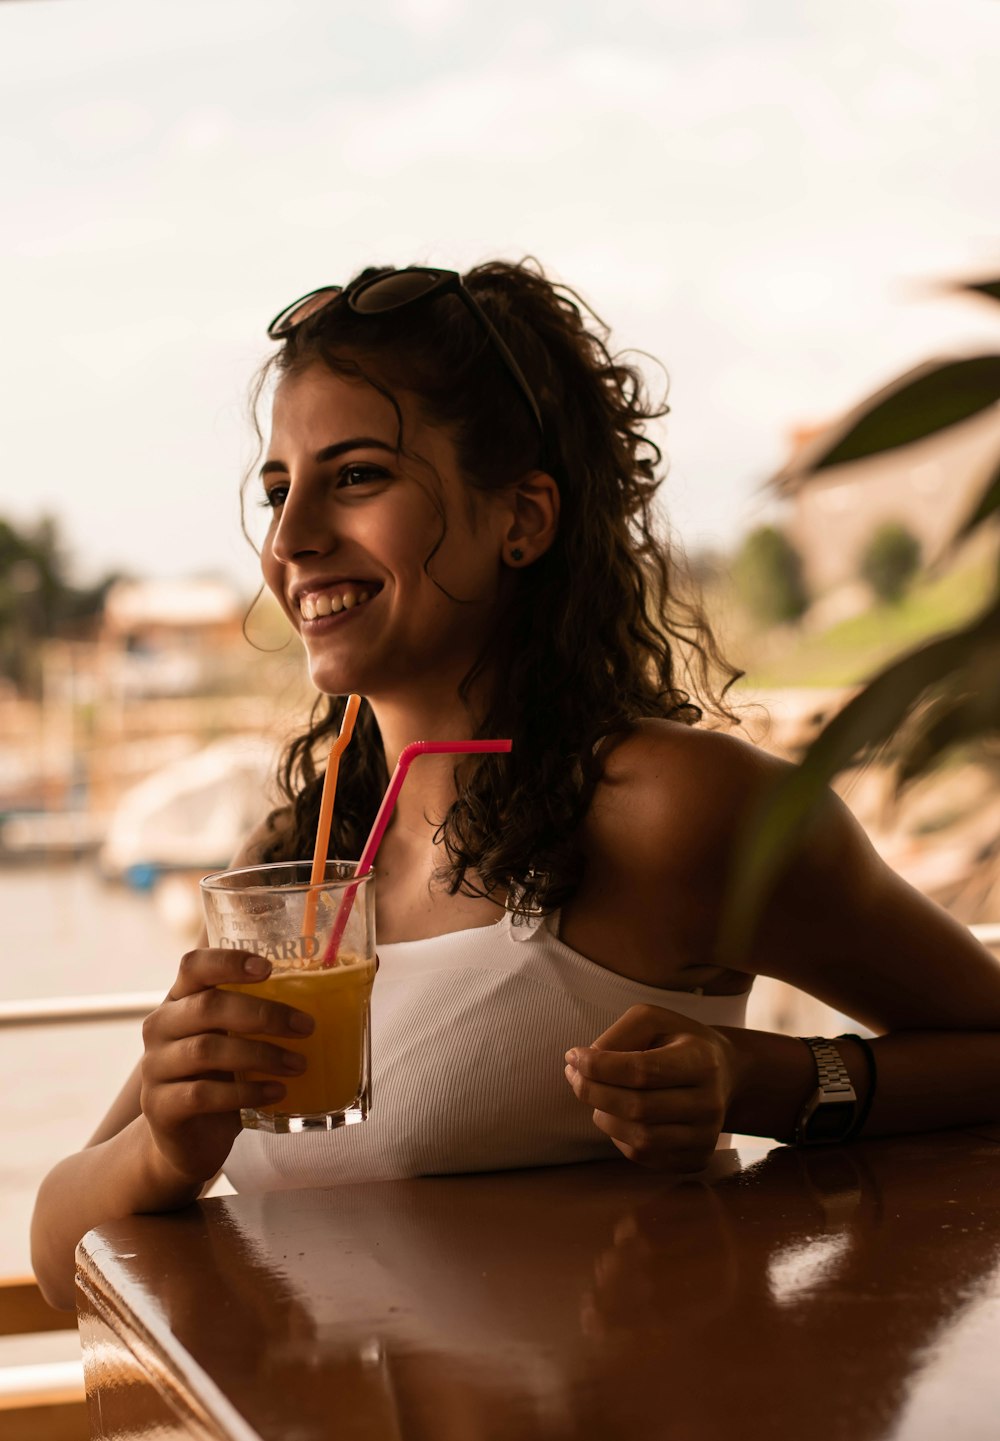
[
  {"x": 868, "y": 721},
  {"x": 989, "y": 288},
  {"x": 926, "y": 400},
  {"x": 968, "y": 711}
]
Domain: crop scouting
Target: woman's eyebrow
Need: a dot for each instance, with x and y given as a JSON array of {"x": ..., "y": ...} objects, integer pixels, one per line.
[{"x": 330, "y": 452}]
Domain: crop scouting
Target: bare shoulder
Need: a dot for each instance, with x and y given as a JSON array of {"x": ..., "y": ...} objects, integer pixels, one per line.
[
  {"x": 676, "y": 791},
  {"x": 673, "y": 804},
  {"x": 657, "y": 842}
]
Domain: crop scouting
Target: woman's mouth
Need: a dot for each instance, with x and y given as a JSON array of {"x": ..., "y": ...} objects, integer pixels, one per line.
[{"x": 336, "y": 601}]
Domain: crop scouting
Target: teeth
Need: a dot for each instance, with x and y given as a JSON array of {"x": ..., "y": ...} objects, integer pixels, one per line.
[{"x": 324, "y": 603}]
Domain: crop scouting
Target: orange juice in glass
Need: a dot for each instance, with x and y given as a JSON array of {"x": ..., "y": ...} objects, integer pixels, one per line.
[{"x": 276, "y": 912}]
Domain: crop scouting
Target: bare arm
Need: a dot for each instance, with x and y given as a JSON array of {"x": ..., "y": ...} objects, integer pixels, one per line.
[
  {"x": 844, "y": 927},
  {"x": 123, "y": 1175},
  {"x": 841, "y": 925},
  {"x": 127, "y": 1166},
  {"x": 116, "y": 1174}
]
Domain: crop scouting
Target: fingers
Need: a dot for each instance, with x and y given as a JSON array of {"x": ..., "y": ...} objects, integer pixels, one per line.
[
  {"x": 678, "y": 1105},
  {"x": 680, "y": 1062},
  {"x": 207, "y": 1056},
  {"x": 230, "y": 1011},
  {"x": 643, "y": 1027},
  {"x": 167, "y": 1108},
  {"x": 206, "y": 967},
  {"x": 664, "y": 1107},
  {"x": 683, "y": 1149},
  {"x": 223, "y": 1010},
  {"x": 211, "y": 1052}
]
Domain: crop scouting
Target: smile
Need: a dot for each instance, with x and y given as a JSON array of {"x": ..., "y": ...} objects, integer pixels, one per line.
[{"x": 318, "y": 604}]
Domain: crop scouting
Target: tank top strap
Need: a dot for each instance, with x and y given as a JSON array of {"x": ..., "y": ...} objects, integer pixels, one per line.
[
  {"x": 528, "y": 927},
  {"x": 525, "y": 921}
]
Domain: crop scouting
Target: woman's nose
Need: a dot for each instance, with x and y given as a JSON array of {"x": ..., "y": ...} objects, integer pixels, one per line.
[{"x": 302, "y": 528}]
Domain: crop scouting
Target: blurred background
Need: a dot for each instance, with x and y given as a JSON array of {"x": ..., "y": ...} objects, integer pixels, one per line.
[{"x": 785, "y": 208}]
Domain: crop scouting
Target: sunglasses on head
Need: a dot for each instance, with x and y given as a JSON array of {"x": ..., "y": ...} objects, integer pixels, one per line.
[{"x": 391, "y": 291}]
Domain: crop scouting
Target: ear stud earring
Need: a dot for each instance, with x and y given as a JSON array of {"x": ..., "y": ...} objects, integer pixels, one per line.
[{"x": 517, "y": 553}]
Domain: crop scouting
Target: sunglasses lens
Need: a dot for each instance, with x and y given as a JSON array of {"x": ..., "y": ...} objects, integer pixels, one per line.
[
  {"x": 390, "y": 291},
  {"x": 301, "y": 310}
]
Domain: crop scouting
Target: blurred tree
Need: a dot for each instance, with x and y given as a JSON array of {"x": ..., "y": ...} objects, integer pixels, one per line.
[
  {"x": 37, "y": 599},
  {"x": 890, "y": 560},
  {"x": 768, "y": 575}
]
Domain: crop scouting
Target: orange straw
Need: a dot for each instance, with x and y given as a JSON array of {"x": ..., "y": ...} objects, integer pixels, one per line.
[{"x": 326, "y": 810}]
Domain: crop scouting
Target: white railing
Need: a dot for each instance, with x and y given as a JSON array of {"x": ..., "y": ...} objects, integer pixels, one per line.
[
  {"x": 134, "y": 1005},
  {"x": 117, "y": 1006},
  {"x": 41, "y": 1383}
]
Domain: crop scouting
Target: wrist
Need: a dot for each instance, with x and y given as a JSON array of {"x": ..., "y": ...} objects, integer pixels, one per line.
[
  {"x": 161, "y": 1186},
  {"x": 772, "y": 1076},
  {"x": 737, "y": 1068}
]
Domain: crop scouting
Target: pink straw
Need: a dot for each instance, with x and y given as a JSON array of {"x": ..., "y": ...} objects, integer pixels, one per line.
[{"x": 407, "y": 756}]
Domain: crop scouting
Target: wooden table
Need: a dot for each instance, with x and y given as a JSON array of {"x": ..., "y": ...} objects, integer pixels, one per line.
[{"x": 845, "y": 1292}]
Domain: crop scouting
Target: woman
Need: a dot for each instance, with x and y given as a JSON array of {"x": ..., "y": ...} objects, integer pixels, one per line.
[{"x": 460, "y": 496}]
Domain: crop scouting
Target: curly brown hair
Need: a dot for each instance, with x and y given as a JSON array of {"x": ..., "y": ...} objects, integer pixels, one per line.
[{"x": 586, "y": 647}]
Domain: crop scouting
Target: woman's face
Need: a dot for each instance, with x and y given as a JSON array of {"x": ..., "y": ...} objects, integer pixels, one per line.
[{"x": 352, "y": 526}]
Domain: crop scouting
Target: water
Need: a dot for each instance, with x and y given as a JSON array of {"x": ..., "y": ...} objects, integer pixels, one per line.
[{"x": 65, "y": 932}]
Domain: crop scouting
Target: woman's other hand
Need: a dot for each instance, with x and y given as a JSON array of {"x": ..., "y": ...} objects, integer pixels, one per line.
[
  {"x": 196, "y": 1041},
  {"x": 659, "y": 1084}
]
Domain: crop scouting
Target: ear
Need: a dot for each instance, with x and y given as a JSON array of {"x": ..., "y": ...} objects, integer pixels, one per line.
[{"x": 533, "y": 518}]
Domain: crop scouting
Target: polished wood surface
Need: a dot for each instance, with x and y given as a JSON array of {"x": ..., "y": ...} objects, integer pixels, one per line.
[{"x": 834, "y": 1294}]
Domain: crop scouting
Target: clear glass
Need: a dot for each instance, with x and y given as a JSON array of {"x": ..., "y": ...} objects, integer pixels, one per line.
[{"x": 276, "y": 912}]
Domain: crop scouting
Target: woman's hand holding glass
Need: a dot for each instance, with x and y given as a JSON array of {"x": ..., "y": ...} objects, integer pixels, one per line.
[
  {"x": 659, "y": 1084},
  {"x": 195, "y": 1044}
]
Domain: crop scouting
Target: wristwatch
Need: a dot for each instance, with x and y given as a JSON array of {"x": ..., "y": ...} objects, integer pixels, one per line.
[{"x": 829, "y": 1113}]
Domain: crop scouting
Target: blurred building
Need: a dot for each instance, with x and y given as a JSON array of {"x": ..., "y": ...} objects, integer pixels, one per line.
[
  {"x": 929, "y": 486},
  {"x": 169, "y": 637}
]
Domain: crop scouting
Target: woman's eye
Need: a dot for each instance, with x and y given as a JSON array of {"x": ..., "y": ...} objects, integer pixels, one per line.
[
  {"x": 351, "y": 475},
  {"x": 348, "y": 476},
  {"x": 275, "y": 497}
]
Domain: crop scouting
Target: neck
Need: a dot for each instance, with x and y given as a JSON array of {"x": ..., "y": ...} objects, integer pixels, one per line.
[{"x": 429, "y": 787}]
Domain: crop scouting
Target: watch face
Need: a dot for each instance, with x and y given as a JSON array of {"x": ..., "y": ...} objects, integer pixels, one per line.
[{"x": 830, "y": 1121}]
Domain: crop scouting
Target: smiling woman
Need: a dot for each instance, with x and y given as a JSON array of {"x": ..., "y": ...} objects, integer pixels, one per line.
[
  {"x": 459, "y": 490},
  {"x": 344, "y": 528},
  {"x": 521, "y": 506}
]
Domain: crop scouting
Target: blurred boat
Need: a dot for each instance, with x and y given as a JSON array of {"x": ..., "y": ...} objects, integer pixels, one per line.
[{"x": 191, "y": 815}]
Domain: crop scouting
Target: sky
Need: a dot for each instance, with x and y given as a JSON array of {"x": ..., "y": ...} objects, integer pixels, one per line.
[{"x": 754, "y": 193}]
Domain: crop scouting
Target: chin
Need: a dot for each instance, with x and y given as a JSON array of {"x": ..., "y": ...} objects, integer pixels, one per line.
[
  {"x": 330, "y": 678},
  {"x": 329, "y": 684}
]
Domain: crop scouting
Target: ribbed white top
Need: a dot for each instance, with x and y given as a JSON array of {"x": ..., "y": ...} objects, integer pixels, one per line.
[{"x": 469, "y": 1033}]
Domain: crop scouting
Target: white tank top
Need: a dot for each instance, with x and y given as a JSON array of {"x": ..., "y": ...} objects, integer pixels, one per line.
[{"x": 469, "y": 1034}]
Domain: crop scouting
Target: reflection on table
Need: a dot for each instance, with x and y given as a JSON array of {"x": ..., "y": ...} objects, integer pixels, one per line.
[{"x": 842, "y": 1292}]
